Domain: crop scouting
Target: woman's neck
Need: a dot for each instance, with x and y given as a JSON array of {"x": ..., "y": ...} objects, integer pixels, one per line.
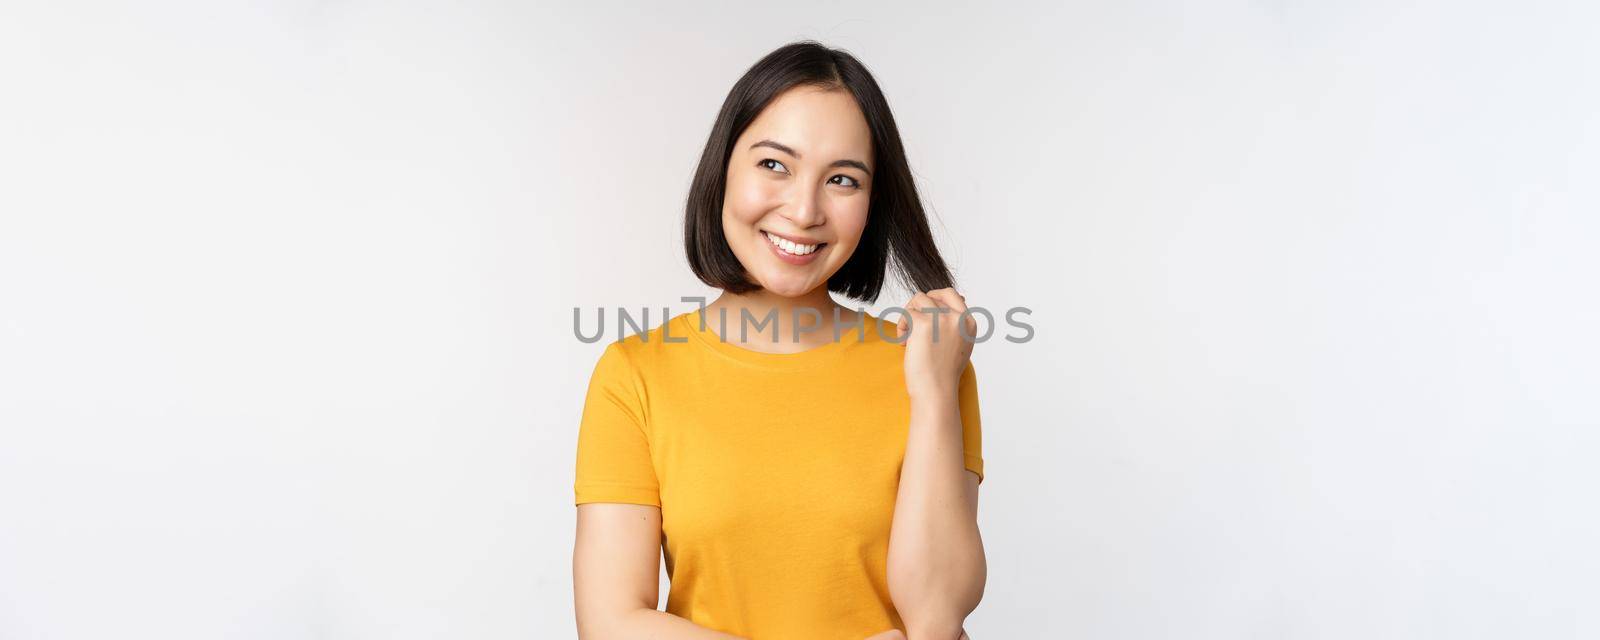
[{"x": 776, "y": 315}]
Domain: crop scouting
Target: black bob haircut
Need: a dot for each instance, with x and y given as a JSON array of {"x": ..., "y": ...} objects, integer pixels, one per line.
[{"x": 896, "y": 232}]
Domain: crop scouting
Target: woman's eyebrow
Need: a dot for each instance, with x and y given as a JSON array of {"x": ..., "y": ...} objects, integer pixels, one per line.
[{"x": 836, "y": 163}]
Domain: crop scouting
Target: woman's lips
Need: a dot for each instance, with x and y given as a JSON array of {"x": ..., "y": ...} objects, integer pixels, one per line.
[{"x": 781, "y": 247}]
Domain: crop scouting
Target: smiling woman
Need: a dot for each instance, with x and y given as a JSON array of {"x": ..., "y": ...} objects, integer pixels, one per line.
[
  {"x": 821, "y": 227},
  {"x": 819, "y": 487},
  {"x": 798, "y": 106}
]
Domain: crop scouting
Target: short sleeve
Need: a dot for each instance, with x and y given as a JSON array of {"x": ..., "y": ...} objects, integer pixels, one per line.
[
  {"x": 614, "y": 463},
  {"x": 971, "y": 421}
]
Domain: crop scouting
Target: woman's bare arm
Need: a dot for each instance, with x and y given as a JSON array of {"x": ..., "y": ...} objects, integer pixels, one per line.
[
  {"x": 937, "y": 567},
  {"x": 616, "y": 566}
]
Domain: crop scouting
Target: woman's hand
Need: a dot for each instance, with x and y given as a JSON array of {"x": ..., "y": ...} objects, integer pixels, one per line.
[
  {"x": 940, "y": 343},
  {"x": 895, "y": 634}
]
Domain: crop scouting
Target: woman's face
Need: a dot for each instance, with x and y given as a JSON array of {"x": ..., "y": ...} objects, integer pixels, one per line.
[{"x": 798, "y": 186}]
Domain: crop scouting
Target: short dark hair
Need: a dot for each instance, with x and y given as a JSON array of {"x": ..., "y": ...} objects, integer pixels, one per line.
[{"x": 896, "y": 232}]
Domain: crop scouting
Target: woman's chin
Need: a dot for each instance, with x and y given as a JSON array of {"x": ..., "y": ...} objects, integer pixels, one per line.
[{"x": 786, "y": 287}]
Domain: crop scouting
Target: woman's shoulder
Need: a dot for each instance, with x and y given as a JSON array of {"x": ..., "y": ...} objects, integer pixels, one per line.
[
  {"x": 876, "y": 330},
  {"x": 643, "y": 346},
  {"x": 873, "y": 340}
]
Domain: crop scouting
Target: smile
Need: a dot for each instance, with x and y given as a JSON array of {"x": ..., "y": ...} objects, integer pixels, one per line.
[{"x": 790, "y": 247}]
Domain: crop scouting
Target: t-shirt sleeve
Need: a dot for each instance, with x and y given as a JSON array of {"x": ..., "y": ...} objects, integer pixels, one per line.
[
  {"x": 614, "y": 463},
  {"x": 971, "y": 422}
]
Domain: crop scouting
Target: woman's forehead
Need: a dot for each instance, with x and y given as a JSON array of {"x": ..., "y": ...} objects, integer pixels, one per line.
[{"x": 816, "y": 124}]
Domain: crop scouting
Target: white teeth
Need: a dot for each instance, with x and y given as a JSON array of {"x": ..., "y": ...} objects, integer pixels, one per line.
[{"x": 790, "y": 247}]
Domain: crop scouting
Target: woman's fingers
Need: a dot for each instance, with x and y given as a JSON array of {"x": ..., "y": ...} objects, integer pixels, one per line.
[
  {"x": 914, "y": 312},
  {"x": 949, "y": 298},
  {"x": 957, "y": 304}
]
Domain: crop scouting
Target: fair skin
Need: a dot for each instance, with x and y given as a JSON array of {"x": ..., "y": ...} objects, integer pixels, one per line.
[{"x": 802, "y": 171}]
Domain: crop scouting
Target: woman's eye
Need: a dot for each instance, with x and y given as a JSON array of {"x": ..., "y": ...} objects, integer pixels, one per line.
[{"x": 769, "y": 163}]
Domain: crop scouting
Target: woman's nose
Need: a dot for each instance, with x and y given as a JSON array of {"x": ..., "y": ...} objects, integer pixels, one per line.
[{"x": 806, "y": 210}]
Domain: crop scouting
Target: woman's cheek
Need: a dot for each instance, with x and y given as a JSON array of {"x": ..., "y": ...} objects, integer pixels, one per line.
[
  {"x": 855, "y": 222},
  {"x": 745, "y": 200}
]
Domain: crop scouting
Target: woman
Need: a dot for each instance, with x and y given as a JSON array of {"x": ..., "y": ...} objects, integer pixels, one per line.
[{"x": 822, "y": 485}]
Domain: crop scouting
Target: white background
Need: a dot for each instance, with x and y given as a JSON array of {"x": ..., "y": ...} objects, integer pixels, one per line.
[{"x": 286, "y": 297}]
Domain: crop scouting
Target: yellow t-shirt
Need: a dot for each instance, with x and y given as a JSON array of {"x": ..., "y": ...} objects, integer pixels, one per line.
[{"x": 776, "y": 474}]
